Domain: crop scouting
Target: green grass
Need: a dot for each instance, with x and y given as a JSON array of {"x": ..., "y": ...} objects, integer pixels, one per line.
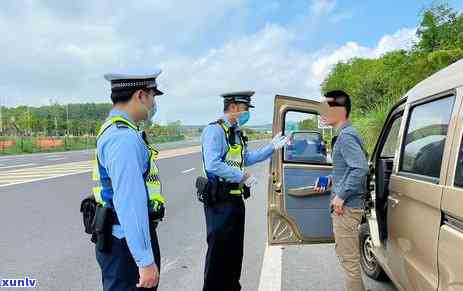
[
  {"x": 256, "y": 136},
  {"x": 166, "y": 138}
]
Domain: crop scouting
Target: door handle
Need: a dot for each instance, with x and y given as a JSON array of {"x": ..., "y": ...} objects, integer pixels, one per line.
[
  {"x": 276, "y": 183},
  {"x": 394, "y": 201},
  {"x": 277, "y": 187},
  {"x": 304, "y": 191}
]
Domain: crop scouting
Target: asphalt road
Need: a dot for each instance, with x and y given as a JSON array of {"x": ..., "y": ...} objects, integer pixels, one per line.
[{"x": 41, "y": 233}]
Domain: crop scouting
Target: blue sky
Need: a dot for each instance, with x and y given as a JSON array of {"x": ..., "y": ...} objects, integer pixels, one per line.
[
  {"x": 60, "y": 50},
  {"x": 362, "y": 21}
]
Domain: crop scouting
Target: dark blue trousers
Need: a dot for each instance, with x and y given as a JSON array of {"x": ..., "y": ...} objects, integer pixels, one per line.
[
  {"x": 225, "y": 236},
  {"x": 118, "y": 268}
]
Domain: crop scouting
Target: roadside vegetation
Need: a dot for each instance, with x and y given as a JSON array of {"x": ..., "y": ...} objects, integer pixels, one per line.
[{"x": 377, "y": 84}]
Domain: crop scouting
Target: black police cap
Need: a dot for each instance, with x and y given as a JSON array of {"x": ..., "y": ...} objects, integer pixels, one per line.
[{"x": 239, "y": 97}]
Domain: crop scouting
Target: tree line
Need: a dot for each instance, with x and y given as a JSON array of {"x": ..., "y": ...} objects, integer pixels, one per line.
[
  {"x": 69, "y": 119},
  {"x": 54, "y": 120}
]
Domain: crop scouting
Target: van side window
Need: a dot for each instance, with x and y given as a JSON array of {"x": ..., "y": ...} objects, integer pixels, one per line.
[
  {"x": 392, "y": 139},
  {"x": 459, "y": 172},
  {"x": 425, "y": 137}
]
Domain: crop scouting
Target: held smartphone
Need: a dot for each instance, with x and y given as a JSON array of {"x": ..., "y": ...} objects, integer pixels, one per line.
[{"x": 322, "y": 182}]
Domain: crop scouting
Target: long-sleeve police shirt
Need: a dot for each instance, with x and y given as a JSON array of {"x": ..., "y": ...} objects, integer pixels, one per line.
[
  {"x": 214, "y": 146},
  {"x": 122, "y": 152}
]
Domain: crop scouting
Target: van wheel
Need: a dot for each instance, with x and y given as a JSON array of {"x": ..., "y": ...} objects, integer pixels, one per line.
[{"x": 367, "y": 259}]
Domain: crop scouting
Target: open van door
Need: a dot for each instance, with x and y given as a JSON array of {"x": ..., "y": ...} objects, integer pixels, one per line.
[
  {"x": 382, "y": 163},
  {"x": 296, "y": 213}
]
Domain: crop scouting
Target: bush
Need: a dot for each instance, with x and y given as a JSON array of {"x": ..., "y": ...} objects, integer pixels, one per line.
[
  {"x": 376, "y": 84},
  {"x": 370, "y": 125}
]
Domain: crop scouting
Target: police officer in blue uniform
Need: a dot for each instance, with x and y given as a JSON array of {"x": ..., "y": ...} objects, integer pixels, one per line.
[
  {"x": 127, "y": 188},
  {"x": 225, "y": 156}
]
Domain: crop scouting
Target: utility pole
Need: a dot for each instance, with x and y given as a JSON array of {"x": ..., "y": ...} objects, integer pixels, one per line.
[
  {"x": 1, "y": 116},
  {"x": 56, "y": 126},
  {"x": 28, "y": 121},
  {"x": 67, "y": 119}
]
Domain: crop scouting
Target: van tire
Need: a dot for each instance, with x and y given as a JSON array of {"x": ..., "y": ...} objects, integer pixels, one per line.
[{"x": 367, "y": 260}]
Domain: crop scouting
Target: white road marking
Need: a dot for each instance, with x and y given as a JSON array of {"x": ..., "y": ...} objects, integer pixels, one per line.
[
  {"x": 178, "y": 152},
  {"x": 17, "y": 166},
  {"x": 73, "y": 165},
  {"x": 167, "y": 265},
  {"x": 40, "y": 173},
  {"x": 7, "y": 157},
  {"x": 270, "y": 276},
  {"x": 55, "y": 159},
  {"x": 189, "y": 170},
  {"x": 46, "y": 178}
]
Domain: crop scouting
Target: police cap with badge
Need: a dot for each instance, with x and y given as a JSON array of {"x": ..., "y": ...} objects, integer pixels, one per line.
[
  {"x": 133, "y": 82},
  {"x": 238, "y": 97}
]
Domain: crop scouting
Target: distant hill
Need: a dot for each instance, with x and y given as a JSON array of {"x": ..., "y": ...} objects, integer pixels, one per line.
[{"x": 262, "y": 127}]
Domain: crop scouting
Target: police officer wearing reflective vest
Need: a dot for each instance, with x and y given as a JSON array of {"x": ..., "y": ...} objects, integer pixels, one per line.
[
  {"x": 225, "y": 156},
  {"x": 127, "y": 188}
]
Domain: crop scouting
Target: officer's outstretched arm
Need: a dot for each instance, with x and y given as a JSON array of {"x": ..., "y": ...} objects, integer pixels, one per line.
[
  {"x": 252, "y": 157},
  {"x": 212, "y": 144},
  {"x": 256, "y": 156},
  {"x": 125, "y": 168}
]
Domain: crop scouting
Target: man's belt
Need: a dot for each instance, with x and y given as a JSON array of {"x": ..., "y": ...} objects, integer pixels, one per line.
[{"x": 153, "y": 218}]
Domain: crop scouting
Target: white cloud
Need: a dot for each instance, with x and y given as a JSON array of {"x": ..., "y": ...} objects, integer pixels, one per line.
[
  {"x": 326, "y": 11},
  {"x": 320, "y": 7},
  {"x": 265, "y": 62},
  {"x": 69, "y": 48},
  {"x": 402, "y": 39},
  {"x": 58, "y": 49},
  {"x": 341, "y": 16}
]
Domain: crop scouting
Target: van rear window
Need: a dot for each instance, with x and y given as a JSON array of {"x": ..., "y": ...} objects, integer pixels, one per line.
[
  {"x": 459, "y": 172},
  {"x": 425, "y": 138}
]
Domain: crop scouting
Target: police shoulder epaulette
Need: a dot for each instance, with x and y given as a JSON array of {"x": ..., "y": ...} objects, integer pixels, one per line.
[
  {"x": 120, "y": 124},
  {"x": 219, "y": 121}
]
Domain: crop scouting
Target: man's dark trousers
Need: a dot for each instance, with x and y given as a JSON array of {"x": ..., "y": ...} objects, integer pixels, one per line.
[
  {"x": 119, "y": 270},
  {"x": 225, "y": 236}
]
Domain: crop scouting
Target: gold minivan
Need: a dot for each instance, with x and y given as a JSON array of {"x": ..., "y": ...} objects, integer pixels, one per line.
[{"x": 413, "y": 228}]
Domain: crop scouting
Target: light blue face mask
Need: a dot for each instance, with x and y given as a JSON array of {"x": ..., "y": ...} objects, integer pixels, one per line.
[
  {"x": 150, "y": 112},
  {"x": 153, "y": 112},
  {"x": 243, "y": 118}
]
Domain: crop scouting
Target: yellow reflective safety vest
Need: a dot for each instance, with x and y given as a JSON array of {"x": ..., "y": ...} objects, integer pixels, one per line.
[
  {"x": 235, "y": 152},
  {"x": 103, "y": 191}
]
